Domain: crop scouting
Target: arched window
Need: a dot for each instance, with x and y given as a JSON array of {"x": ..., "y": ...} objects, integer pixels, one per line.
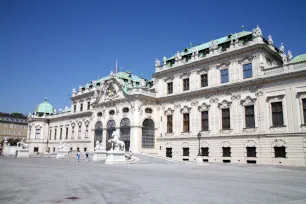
[
  {"x": 98, "y": 132},
  {"x": 148, "y": 134},
  {"x": 125, "y": 132},
  {"x": 37, "y": 132},
  {"x": 99, "y": 114},
  {"x": 111, "y": 127},
  {"x": 125, "y": 110},
  {"x": 111, "y": 112}
]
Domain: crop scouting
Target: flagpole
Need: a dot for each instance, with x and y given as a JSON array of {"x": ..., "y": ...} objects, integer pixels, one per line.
[{"x": 116, "y": 66}]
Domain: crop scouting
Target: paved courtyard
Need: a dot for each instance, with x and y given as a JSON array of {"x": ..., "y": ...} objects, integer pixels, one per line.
[{"x": 47, "y": 180}]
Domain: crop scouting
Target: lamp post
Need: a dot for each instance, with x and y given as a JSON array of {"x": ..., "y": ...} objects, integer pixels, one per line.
[{"x": 199, "y": 138}]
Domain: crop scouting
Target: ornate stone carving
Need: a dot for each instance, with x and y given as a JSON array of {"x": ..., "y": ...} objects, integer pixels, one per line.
[
  {"x": 213, "y": 45},
  {"x": 236, "y": 97},
  {"x": 214, "y": 100},
  {"x": 248, "y": 101},
  {"x": 289, "y": 56},
  {"x": 226, "y": 144},
  {"x": 251, "y": 143},
  {"x": 177, "y": 106},
  {"x": 224, "y": 104},
  {"x": 279, "y": 143},
  {"x": 111, "y": 92},
  {"x": 194, "y": 103},
  {"x": 169, "y": 111},
  {"x": 282, "y": 48},
  {"x": 275, "y": 98},
  {"x": 257, "y": 32},
  {"x": 204, "y": 144},
  {"x": 203, "y": 107},
  {"x": 185, "y": 109},
  {"x": 270, "y": 40}
]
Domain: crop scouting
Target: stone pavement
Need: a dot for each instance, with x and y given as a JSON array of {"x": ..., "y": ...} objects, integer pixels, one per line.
[{"x": 48, "y": 180}]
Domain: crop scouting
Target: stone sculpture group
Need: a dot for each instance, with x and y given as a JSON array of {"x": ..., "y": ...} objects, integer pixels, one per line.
[{"x": 62, "y": 150}]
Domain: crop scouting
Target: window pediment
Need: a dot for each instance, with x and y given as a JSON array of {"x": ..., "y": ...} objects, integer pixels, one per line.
[
  {"x": 203, "y": 70},
  {"x": 203, "y": 107},
  {"x": 168, "y": 79},
  {"x": 251, "y": 143},
  {"x": 185, "y": 145},
  {"x": 204, "y": 144},
  {"x": 223, "y": 66},
  {"x": 185, "y": 109},
  {"x": 169, "y": 111},
  {"x": 275, "y": 98},
  {"x": 248, "y": 101},
  {"x": 279, "y": 143},
  {"x": 226, "y": 144},
  {"x": 224, "y": 104},
  {"x": 185, "y": 75},
  {"x": 245, "y": 60}
]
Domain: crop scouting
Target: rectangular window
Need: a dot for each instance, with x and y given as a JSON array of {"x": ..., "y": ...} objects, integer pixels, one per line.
[
  {"x": 204, "y": 118},
  {"x": 37, "y": 134},
  {"x": 86, "y": 132},
  {"x": 247, "y": 71},
  {"x": 79, "y": 135},
  {"x": 186, "y": 122},
  {"x": 226, "y": 151},
  {"x": 249, "y": 116},
  {"x": 72, "y": 133},
  {"x": 74, "y": 108},
  {"x": 277, "y": 114},
  {"x": 304, "y": 109},
  {"x": 4, "y": 124},
  {"x": 50, "y": 133},
  {"x": 204, "y": 151},
  {"x": 67, "y": 132},
  {"x": 88, "y": 105},
  {"x": 185, "y": 152},
  {"x": 55, "y": 131},
  {"x": 169, "y": 124},
  {"x": 170, "y": 87},
  {"x": 280, "y": 152},
  {"x": 251, "y": 151},
  {"x": 226, "y": 120},
  {"x": 81, "y": 107},
  {"x": 204, "y": 80},
  {"x": 185, "y": 84},
  {"x": 224, "y": 76},
  {"x": 35, "y": 149},
  {"x": 61, "y": 133}
]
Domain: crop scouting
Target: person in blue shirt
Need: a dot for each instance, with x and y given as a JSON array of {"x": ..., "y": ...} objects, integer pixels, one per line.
[{"x": 78, "y": 156}]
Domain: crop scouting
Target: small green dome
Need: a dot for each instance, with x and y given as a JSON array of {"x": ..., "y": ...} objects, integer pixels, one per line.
[
  {"x": 299, "y": 58},
  {"x": 45, "y": 107}
]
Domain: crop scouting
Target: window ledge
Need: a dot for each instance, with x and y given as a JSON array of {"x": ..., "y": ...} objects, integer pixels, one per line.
[
  {"x": 278, "y": 126},
  {"x": 250, "y": 129},
  {"x": 226, "y": 130},
  {"x": 303, "y": 125},
  {"x": 169, "y": 134},
  {"x": 185, "y": 133}
]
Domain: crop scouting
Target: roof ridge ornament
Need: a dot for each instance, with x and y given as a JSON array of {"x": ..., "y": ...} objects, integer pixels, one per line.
[
  {"x": 257, "y": 32},
  {"x": 270, "y": 40},
  {"x": 289, "y": 56}
]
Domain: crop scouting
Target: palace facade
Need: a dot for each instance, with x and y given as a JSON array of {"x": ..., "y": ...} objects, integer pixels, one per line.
[{"x": 241, "y": 96}]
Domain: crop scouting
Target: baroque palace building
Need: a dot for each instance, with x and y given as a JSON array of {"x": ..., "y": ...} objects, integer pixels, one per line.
[{"x": 245, "y": 97}]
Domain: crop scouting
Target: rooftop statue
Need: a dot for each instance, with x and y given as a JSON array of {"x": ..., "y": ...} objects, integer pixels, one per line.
[
  {"x": 164, "y": 60},
  {"x": 73, "y": 90},
  {"x": 270, "y": 40},
  {"x": 117, "y": 144},
  {"x": 282, "y": 48},
  {"x": 178, "y": 56},
  {"x": 289, "y": 56},
  {"x": 257, "y": 32},
  {"x": 143, "y": 83},
  {"x": 157, "y": 63},
  {"x": 213, "y": 45}
]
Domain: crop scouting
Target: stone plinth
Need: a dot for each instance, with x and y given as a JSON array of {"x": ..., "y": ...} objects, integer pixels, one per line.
[
  {"x": 22, "y": 153},
  {"x": 99, "y": 155},
  {"x": 199, "y": 160},
  {"x": 115, "y": 157},
  {"x": 61, "y": 153}
]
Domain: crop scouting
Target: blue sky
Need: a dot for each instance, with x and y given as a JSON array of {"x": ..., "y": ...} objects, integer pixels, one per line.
[{"x": 49, "y": 47}]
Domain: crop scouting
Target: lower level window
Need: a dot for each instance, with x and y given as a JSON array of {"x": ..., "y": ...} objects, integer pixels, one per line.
[
  {"x": 186, "y": 152},
  {"x": 35, "y": 149},
  {"x": 280, "y": 152},
  {"x": 251, "y": 151},
  {"x": 204, "y": 151},
  {"x": 226, "y": 151},
  {"x": 85, "y": 149}
]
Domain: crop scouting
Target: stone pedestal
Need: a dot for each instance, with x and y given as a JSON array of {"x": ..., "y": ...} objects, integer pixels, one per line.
[
  {"x": 22, "y": 153},
  {"x": 61, "y": 153},
  {"x": 115, "y": 157},
  {"x": 199, "y": 160},
  {"x": 99, "y": 155}
]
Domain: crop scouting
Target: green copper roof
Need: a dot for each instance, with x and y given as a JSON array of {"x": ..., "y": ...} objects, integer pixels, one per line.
[
  {"x": 218, "y": 41},
  {"x": 44, "y": 107},
  {"x": 299, "y": 58}
]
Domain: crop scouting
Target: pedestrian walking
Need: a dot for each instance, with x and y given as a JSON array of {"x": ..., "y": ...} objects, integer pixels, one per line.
[
  {"x": 87, "y": 155},
  {"x": 78, "y": 156}
]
